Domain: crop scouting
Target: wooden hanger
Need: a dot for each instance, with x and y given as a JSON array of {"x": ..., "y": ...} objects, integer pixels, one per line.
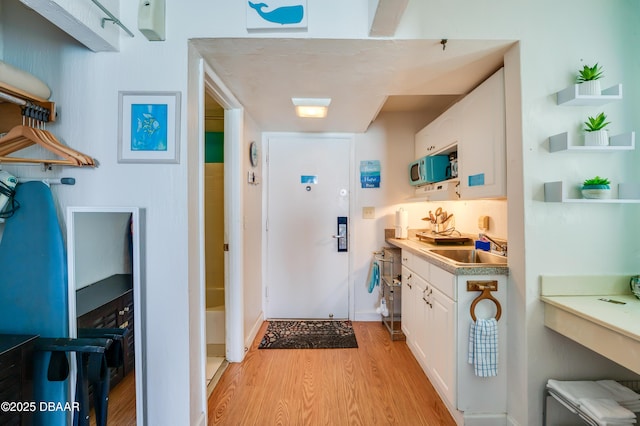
[{"x": 23, "y": 136}]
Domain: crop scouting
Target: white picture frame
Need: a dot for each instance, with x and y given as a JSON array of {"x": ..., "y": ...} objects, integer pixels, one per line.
[{"x": 149, "y": 127}]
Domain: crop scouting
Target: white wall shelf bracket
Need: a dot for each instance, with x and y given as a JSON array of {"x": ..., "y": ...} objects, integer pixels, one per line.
[
  {"x": 556, "y": 192},
  {"x": 571, "y": 97},
  {"x": 621, "y": 142}
]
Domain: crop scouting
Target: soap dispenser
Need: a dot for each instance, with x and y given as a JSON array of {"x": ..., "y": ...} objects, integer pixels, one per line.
[{"x": 151, "y": 19}]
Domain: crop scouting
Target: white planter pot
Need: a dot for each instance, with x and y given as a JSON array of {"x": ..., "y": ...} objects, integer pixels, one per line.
[
  {"x": 597, "y": 138},
  {"x": 589, "y": 88},
  {"x": 596, "y": 192}
]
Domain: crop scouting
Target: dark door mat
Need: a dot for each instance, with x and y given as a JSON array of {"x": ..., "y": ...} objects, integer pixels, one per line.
[{"x": 309, "y": 334}]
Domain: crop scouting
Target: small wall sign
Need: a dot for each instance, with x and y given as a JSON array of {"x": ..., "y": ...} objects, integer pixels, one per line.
[
  {"x": 276, "y": 14},
  {"x": 370, "y": 173}
]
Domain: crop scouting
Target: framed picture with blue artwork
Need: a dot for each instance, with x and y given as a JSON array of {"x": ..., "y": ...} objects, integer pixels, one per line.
[{"x": 149, "y": 127}]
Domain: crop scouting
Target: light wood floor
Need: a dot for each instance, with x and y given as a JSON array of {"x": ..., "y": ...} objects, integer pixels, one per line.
[
  {"x": 122, "y": 403},
  {"x": 380, "y": 383}
]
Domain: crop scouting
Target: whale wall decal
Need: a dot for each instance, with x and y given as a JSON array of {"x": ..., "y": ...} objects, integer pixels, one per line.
[{"x": 282, "y": 15}]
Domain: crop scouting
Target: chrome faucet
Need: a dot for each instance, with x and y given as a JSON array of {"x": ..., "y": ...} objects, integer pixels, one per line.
[{"x": 501, "y": 248}]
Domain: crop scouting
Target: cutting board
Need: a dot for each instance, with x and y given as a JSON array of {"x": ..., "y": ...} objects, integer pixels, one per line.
[{"x": 442, "y": 239}]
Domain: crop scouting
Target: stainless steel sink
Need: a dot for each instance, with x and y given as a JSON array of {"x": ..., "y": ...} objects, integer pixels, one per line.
[{"x": 469, "y": 256}]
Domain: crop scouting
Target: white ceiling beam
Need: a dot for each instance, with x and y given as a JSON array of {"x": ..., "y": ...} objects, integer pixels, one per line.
[
  {"x": 384, "y": 16},
  {"x": 82, "y": 20}
]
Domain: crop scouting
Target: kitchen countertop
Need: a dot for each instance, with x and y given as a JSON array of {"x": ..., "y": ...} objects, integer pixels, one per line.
[
  {"x": 573, "y": 309},
  {"x": 421, "y": 248}
]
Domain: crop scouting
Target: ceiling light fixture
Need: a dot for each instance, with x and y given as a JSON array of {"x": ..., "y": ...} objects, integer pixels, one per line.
[{"x": 311, "y": 107}]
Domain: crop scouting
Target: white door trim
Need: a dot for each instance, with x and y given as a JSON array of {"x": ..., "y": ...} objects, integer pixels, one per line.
[
  {"x": 233, "y": 213},
  {"x": 265, "y": 204}
]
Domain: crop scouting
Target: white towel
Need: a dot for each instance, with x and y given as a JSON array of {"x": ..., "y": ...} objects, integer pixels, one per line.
[
  {"x": 483, "y": 347},
  {"x": 635, "y": 407},
  {"x": 574, "y": 390},
  {"x": 606, "y": 410},
  {"x": 619, "y": 392}
]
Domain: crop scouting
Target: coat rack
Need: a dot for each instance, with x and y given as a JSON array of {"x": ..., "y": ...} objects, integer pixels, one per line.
[{"x": 33, "y": 113}]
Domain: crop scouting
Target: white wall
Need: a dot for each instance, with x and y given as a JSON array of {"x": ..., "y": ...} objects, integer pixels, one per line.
[
  {"x": 562, "y": 239},
  {"x": 101, "y": 246},
  {"x": 253, "y": 224}
]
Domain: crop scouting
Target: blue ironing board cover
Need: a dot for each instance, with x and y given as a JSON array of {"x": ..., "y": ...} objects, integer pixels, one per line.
[{"x": 33, "y": 285}]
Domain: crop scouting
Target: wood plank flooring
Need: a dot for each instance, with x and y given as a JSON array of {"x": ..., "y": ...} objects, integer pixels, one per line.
[
  {"x": 122, "y": 403},
  {"x": 380, "y": 383}
]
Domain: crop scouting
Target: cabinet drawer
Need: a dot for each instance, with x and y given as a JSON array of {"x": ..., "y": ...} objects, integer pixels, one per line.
[
  {"x": 421, "y": 267},
  {"x": 444, "y": 281},
  {"x": 407, "y": 259}
]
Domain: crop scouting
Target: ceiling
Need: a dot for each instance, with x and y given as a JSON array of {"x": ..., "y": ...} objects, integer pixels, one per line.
[{"x": 362, "y": 77}]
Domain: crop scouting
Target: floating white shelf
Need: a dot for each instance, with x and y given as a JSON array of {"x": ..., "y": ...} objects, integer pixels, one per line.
[
  {"x": 571, "y": 97},
  {"x": 556, "y": 192},
  {"x": 622, "y": 142}
]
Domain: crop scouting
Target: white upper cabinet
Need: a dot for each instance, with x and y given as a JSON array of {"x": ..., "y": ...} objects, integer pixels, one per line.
[
  {"x": 482, "y": 146},
  {"x": 475, "y": 129},
  {"x": 440, "y": 136}
]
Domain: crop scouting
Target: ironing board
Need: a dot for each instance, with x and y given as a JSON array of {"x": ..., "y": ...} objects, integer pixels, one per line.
[{"x": 33, "y": 286}]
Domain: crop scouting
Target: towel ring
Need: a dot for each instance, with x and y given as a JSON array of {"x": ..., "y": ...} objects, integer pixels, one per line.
[{"x": 486, "y": 294}]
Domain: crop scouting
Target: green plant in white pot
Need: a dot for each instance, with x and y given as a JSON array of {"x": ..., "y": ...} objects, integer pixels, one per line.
[
  {"x": 589, "y": 80},
  {"x": 595, "y": 132},
  {"x": 596, "y": 188}
]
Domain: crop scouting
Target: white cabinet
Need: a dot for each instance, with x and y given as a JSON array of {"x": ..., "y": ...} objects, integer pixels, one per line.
[
  {"x": 442, "y": 340},
  {"x": 435, "y": 319},
  {"x": 407, "y": 304},
  {"x": 429, "y": 322},
  {"x": 442, "y": 322},
  {"x": 482, "y": 147},
  {"x": 440, "y": 136},
  {"x": 475, "y": 129},
  {"x": 421, "y": 344}
]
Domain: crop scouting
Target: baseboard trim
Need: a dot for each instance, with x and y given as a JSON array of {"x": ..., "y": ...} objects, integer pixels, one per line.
[
  {"x": 485, "y": 419},
  {"x": 367, "y": 316},
  {"x": 254, "y": 332}
]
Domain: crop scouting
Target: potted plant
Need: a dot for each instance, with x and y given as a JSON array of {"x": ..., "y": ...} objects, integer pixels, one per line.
[
  {"x": 589, "y": 80},
  {"x": 596, "y": 188},
  {"x": 595, "y": 132}
]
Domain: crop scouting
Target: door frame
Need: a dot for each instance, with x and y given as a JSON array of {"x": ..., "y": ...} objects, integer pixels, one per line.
[
  {"x": 233, "y": 208},
  {"x": 266, "y": 136},
  {"x": 202, "y": 78}
]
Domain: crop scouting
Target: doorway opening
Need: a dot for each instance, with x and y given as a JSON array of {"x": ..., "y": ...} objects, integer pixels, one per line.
[{"x": 214, "y": 241}]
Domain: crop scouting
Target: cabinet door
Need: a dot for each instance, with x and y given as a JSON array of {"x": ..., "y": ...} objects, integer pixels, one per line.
[
  {"x": 440, "y": 136},
  {"x": 442, "y": 344},
  {"x": 407, "y": 302},
  {"x": 482, "y": 148},
  {"x": 447, "y": 131},
  {"x": 424, "y": 144},
  {"x": 423, "y": 322}
]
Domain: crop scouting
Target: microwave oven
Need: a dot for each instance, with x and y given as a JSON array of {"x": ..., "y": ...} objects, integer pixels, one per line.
[{"x": 429, "y": 169}]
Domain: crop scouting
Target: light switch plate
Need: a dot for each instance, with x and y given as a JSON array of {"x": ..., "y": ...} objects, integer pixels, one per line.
[{"x": 368, "y": 212}]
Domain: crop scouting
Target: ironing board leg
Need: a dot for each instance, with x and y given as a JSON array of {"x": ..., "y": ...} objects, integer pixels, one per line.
[
  {"x": 81, "y": 417},
  {"x": 100, "y": 383}
]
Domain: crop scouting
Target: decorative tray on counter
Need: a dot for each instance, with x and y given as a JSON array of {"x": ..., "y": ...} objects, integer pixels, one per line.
[{"x": 434, "y": 238}]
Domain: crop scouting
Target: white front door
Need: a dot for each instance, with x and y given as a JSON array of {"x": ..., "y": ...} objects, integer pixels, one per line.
[{"x": 308, "y": 190}]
